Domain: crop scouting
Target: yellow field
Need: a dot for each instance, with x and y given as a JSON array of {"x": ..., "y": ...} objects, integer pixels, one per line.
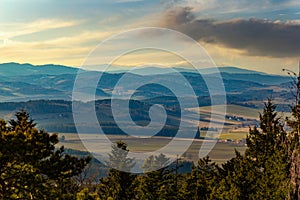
[{"x": 220, "y": 153}]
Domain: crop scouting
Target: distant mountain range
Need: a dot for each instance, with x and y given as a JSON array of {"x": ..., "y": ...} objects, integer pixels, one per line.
[
  {"x": 160, "y": 70},
  {"x": 23, "y": 82},
  {"x": 16, "y": 69},
  {"x": 46, "y": 92}
]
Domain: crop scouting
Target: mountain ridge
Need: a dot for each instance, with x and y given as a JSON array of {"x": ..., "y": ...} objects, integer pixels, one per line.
[
  {"x": 56, "y": 82},
  {"x": 54, "y": 69}
]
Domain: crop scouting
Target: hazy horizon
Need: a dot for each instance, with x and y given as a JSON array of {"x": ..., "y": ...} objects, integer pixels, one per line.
[
  {"x": 256, "y": 35},
  {"x": 156, "y": 68}
]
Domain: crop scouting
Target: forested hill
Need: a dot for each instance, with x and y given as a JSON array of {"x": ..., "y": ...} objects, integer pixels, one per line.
[
  {"x": 56, "y": 115},
  {"x": 24, "y": 82}
]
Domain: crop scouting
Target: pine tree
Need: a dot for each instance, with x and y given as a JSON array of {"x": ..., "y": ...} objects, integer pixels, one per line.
[
  {"x": 155, "y": 180},
  {"x": 84, "y": 194},
  {"x": 199, "y": 183},
  {"x": 294, "y": 137},
  {"x": 269, "y": 150},
  {"x": 294, "y": 123},
  {"x": 118, "y": 185},
  {"x": 271, "y": 137},
  {"x": 30, "y": 166},
  {"x": 198, "y": 134},
  {"x": 237, "y": 179},
  {"x": 263, "y": 172}
]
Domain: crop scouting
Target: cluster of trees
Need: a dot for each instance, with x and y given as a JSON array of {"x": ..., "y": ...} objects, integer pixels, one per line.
[
  {"x": 33, "y": 167},
  {"x": 262, "y": 172}
]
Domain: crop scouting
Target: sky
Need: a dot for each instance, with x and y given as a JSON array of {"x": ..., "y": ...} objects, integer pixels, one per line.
[{"x": 262, "y": 35}]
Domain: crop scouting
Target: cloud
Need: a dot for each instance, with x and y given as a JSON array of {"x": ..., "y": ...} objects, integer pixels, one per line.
[
  {"x": 70, "y": 50},
  {"x": 22, "y": 28},
  {"x": 232, "y": 6},
  {"x": 254, "y": 36}
]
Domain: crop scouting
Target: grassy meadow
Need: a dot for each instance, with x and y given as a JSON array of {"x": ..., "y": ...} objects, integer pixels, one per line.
[{"x": 220, "y": 153}]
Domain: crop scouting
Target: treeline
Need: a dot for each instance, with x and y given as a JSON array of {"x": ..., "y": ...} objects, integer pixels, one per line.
[
  {"x": 264, "y": 171},
  {"x": 32, "y": 167},
  {"x": 57, "y": 116}
]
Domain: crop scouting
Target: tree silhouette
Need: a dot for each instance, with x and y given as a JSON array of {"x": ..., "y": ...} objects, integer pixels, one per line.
[
  {"x": 118, "y": 185},
  {"x": 30, "y": 165}
]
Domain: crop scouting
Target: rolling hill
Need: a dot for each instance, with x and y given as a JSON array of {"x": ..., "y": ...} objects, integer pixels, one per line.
[
  {"x": 57, "y": 116},
  {"x": 46, "y": 92},
  {"x": 23, "y": 82}
]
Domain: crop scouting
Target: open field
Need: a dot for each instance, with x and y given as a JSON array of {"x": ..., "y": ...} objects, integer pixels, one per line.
[
  {"x": 234, "y": 110},
  {"x": 236, "y": 123},
  {"x": 233, "y": 135},
  {"x": 220, "y": 153}
]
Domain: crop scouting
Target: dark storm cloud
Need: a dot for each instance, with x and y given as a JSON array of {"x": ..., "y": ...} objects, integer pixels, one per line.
[{"x": 255, "y": 36}]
